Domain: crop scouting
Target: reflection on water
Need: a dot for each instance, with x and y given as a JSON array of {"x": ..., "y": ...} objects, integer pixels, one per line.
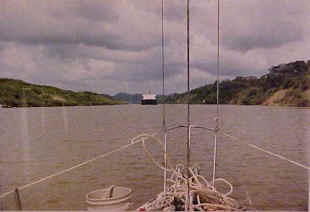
[
  {"x": 307, "y": 138},
  {"x": 43, "y": 120},
  {"x": 41, "y": 141},
  {"x": 65, "y": 120},
  {"x": 24, "y": 139}
]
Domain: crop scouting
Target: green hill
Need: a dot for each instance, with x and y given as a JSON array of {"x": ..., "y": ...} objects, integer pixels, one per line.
[
  {"x": 17, "y": 93},
  {"x": 285, "y": 84},
  {"x": 129, "y": 98}
]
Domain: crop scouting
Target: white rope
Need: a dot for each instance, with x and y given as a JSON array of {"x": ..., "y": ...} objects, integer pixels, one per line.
[
  {"x": 133, "y": 141},
  {"x": 141, "y": 138},
  {"x": 228, "y": 183},
  {"x": 181, "y": 185},
  {"x": 178, "y": 190},
  {"x": 217, "y": 93},
  {"x": 148, "y": 154},
  {"x": 279, "y": 156},
  {"x": 271, "y": 153}
]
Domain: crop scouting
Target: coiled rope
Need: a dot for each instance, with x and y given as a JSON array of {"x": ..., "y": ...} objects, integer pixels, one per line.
[
  {"x": 200, "y": 189},
  {"x": 203, "y": 195}
]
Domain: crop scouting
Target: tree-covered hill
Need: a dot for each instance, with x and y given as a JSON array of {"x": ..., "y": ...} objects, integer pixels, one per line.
[
  {"x": 17, "y": 93},
  {"x": 285, "y": 84},
  {"x": 129, "y": 98}
]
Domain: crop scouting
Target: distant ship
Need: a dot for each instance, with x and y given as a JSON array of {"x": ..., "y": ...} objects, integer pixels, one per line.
[{"x": 149, "y": 99}]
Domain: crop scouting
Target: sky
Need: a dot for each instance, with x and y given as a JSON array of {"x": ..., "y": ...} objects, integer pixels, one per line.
[{"x": 111, "y": 46}]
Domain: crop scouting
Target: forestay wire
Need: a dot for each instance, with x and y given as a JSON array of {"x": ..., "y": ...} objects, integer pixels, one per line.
[
  {"x": 188, "y": 110},
  {"x": 164, "y": 128},
  {"x": 217, "y": 118}
]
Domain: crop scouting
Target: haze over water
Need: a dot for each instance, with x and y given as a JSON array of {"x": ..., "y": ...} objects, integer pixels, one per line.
[{"x": 37, "y": 142}]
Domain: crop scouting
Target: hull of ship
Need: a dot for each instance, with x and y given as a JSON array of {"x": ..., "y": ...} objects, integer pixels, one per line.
[{"x": 148, "y": 102}]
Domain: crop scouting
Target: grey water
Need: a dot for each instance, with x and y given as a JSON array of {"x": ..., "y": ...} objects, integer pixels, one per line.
[{"x": 37, "y": 142}]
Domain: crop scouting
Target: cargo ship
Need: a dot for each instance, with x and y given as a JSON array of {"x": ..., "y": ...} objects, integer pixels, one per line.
[{"x": 149, "y": 99}]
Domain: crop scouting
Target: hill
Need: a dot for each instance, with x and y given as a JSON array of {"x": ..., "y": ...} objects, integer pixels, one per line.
[
  {"x": 17, "y": 93},
  {"x": 285, "y": 85},
  {"x": 129, "y": 98}
]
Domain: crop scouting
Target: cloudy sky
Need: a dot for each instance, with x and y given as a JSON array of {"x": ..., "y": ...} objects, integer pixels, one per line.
[{"x": 109, "y": 46}]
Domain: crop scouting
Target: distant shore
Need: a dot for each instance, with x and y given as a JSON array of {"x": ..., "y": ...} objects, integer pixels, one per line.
[
  {"x": 17, "y": 93},
  {"x": 284, "y": 85}
]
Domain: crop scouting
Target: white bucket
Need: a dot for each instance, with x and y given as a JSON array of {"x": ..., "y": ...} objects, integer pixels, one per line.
[{"x": 114, "y": 198}]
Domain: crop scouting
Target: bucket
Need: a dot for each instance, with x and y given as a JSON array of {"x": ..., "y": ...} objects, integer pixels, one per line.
[{"x": 113, "y": 198}]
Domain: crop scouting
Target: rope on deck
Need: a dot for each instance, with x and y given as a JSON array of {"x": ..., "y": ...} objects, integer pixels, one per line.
[{"x": 203, "y": 195}]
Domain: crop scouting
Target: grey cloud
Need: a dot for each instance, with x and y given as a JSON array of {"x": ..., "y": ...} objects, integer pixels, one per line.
[
  {"x": 266, "y": 35},
  {"x": 106, "y": 45},
  {"x": 263, "y": 24},
  {"x": 153, "y": 72},
  {"x": 106, "y": 39},
  {"x": 229, "y": 68},
  {"x": 146, "y": 69},
  {"x": 174, "y": 10},
  {"x": 97, "y": 11},
  {"x": 72, "y": 24}
]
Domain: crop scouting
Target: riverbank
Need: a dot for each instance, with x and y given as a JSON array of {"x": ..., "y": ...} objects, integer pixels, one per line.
[
  {"x": 17, "y": 93},
  {"x": 284, "y": 85}
]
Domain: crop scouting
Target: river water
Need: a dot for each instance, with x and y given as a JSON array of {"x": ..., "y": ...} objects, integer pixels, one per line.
[{"x": 37, "y": 142}]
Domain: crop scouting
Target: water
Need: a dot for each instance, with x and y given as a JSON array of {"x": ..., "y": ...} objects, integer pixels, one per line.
[{"x": 36, "y": 142}]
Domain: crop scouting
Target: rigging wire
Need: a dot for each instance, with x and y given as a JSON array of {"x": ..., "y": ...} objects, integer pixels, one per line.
[
  {"x": 163, "y": 62},
  {"x": 163, "y": 95},
  {"x": 217, "y": 119},
  {"x": 188, "y": 110},
  {"x": 218, "y": 65}
]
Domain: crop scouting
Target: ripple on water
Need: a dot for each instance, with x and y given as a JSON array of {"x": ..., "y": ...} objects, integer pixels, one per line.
[{"x": 264, "y": 182}]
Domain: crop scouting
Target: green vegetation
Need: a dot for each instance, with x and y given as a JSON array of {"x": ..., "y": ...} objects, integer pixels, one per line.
[
  {"x": 286, "y": 84},
  {"x": 17, "y": 93},
  {"x": 129, "y": 98}
]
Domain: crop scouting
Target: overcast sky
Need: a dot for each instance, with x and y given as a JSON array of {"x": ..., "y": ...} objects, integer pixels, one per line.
[{"x": 109, "y": 46}]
